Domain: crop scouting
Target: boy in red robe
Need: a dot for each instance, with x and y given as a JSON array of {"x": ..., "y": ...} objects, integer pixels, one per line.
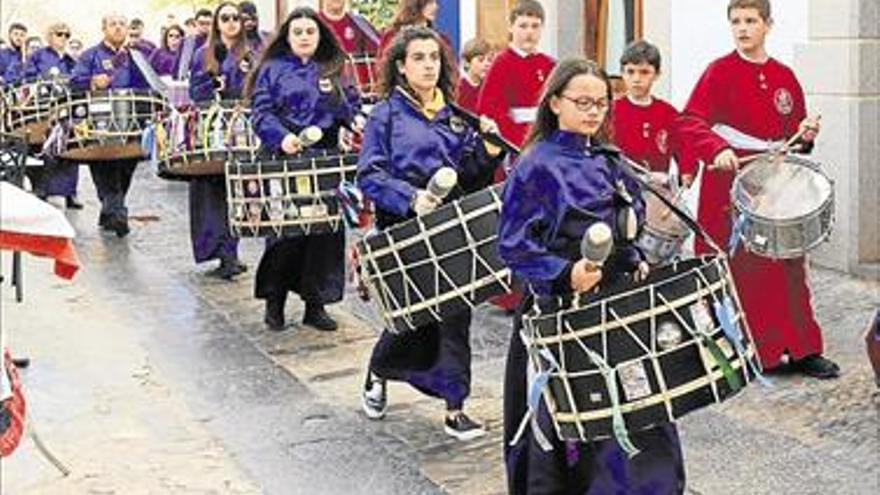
[
  {"x": 357, "y": 38},
  {"x": 512, "y": 89},
  {"x": 514, "y": 82},
  {"x": 476, "y": 57},
  {"x": 749, "y": 92},
  {"x": 643, "y": 123}
]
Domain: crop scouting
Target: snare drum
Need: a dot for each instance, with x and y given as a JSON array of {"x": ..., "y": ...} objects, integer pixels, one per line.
[
  {"x": 29, "y": 108},
  {"x": 641, "y": 355},
  {"x": 198, "y": 141},
  {"x": 784, "y": 206},
  {"x": 106, "y": 125},
  {"x": 297, "y": 195},
  {"x": 436, "y": 264},
  {"x": 664, "y": 233}
]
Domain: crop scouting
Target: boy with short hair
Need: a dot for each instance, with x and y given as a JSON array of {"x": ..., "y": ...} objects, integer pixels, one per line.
[
  {"x": 642, "y": 122},
  {"x": 514, "y": 82},
  {"x": 747, "y": 96},
  {"x": 476, "y": 58}
]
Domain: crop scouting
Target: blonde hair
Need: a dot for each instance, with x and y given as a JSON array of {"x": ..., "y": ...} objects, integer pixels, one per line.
[{"x": 56, "y": 28}]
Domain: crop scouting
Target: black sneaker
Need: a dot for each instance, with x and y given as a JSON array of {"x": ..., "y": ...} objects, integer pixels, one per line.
[
  {"x": 238, "y": 267},
  {"x": 317, "y": 317},
  {"x": 817, "y": 367},
  {"x": 227, "y": 270},
  {"x": 374, "y": 399},
  {"x": 460, "y": 426}
]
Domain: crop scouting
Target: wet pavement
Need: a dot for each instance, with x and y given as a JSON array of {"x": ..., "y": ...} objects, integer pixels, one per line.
[{"x": 150, "y": 377}]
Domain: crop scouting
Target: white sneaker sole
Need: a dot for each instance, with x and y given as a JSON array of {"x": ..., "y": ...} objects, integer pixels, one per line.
[
  {"x": 372, "y": 413},
  {"x": 464, "y": 436}
]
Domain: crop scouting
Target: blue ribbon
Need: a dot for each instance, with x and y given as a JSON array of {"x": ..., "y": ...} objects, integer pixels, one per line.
[
  {"x": 148, "y": 144},
  {"x": 351, "y": 203},
  {"x": 736, "y": 234},
  {"x": 726, "y": 315}
]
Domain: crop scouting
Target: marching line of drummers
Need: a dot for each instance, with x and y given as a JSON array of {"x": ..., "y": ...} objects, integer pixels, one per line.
[{"x": 516, "y": 191}]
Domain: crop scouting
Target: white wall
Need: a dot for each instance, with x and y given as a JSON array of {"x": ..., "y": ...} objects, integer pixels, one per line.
[{"x": 700, "y": 34}]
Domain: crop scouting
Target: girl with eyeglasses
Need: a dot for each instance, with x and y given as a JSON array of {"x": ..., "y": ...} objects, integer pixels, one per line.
[
  {"x": 564, "y": 182},
  {"x": 164, "y": 58},
  {"x": 298, "y": 83},
  {"x": 219, "y": 70},
  {"x": 409, "y": 136}
]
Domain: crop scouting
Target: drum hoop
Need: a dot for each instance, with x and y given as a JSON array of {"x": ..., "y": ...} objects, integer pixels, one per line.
[{"x": 815, "y": 167}]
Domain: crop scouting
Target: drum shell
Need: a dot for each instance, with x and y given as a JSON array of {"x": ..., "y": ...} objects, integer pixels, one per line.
[
  {"x": 436, "y": 265},
  {"x": 202, "y": 156},
  {"x": 789, "y": 237},
  {"x": 663, "y": 234},
  {"x": 29, "y": 108},
  {"x": 579, "y": 399},
  {"x": 290, "y": 196},
  {"x": 106, "y": 125}
]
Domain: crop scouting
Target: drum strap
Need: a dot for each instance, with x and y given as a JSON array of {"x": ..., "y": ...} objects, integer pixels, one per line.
[{"x": 629, "y": 167}]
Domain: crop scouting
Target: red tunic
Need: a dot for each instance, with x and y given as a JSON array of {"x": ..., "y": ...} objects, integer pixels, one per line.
[
  {"x": 767, "y": 102},
  {"x": 362, "y": 46},
  {"x": 511, "y": 89},
  {"x": 467, "y": 94},
  {"x": 644, "y": 133}
]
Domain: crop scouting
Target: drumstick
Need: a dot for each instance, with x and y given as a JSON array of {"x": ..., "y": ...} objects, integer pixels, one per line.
[{"x": 784, "y": 149}]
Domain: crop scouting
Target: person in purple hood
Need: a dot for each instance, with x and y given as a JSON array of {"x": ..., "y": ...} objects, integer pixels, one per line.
[
  {"x": 410, "y": 135},
  {"x": 565, "y": 181},
  {"x": 218, "y": 73},
  {"x": 298, "y": 84},
  {"x": 108, "y": 65},
  {"x": 50, "y": 62},
  {"x": 164, "y": 58}
]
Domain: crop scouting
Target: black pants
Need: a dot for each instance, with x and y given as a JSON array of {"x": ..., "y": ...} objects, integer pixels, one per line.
[{"x": 112, "y": 180}]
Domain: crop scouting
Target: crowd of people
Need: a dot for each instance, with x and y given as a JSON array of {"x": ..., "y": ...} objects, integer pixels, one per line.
[{"x": 570, "y": 130}]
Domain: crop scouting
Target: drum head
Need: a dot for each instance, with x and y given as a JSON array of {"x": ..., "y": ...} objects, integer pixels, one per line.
[{"x": 782, "y": 188}]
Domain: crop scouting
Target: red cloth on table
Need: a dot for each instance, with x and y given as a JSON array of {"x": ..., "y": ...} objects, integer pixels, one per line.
[
  {"x": 58, "y": 248},
  {"x": 766, "y": 101}
]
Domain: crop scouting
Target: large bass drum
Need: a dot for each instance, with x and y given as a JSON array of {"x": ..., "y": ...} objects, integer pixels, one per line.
[
  {"x": 291, "y": 196},
  {"x": 198, "y": 141},
  {"x": 636, "y": 356},
  {"x": 436, "y": 264},
  {"x": 29, "y": 108}
]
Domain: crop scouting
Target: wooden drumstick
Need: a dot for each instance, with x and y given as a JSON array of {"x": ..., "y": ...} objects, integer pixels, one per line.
[{"x": 784, "y": 149}]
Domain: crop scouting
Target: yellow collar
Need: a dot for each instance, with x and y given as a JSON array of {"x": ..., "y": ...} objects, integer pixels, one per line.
[{"x": 433, "y": 107}]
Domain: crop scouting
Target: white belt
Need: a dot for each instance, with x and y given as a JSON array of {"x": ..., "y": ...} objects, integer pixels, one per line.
[
  {"x": 743, "y": 141},
  {"x": 523, "y": 115}
]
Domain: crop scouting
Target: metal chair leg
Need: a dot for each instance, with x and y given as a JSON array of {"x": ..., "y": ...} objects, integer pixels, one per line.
[{"x": 17, "y": 280}]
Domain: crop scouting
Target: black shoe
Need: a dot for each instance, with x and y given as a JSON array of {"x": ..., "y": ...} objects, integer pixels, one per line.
[
  {"x": 238, "y": 267},
  {"x": 227, "y": 270},
  {"x": 120, "y": 226},
  {"x": 817, "y": 367},
  {"x": 71, "y": 203},
  {"x": 274, "y": 317},
  {"x": 104, "y": 221},
  {"x": 317, "y": 317},
  {"x": 460, "y": 426}
]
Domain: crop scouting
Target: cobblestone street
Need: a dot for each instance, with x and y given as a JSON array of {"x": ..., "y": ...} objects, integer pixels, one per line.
[{"x": 149, "y": 377}]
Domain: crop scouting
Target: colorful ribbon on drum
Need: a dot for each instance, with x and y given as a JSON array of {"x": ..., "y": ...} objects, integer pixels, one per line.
[{"x": 726, "y": 315}]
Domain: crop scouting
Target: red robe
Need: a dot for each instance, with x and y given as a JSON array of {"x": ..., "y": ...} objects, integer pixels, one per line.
[
  {"x": 513, "y": 85},
  {"x": 467, "y": 94},
  {"x": 644, "y": 133},
  {"x": 767, "y": 102},
  {"x": 359, "y": 44}
]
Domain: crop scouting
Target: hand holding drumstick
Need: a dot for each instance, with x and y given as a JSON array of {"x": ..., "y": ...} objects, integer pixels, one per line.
[{"x": 808, "y": 129}]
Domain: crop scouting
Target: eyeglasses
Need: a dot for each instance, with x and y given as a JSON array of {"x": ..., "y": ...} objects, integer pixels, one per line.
[
  {"x": 63, "y": 35},
  {"x": 585, "y": 104},
  {"x": 229, "y": 17}
]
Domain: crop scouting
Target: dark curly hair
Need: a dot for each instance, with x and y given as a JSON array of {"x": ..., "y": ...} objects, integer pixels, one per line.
[{"x": 396, "y": 53}]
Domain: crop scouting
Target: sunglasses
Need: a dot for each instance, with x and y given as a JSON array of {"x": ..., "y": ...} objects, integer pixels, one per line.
[
  {"x": 229, "y": 17},
  {"x": 63, "y": 35}
]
